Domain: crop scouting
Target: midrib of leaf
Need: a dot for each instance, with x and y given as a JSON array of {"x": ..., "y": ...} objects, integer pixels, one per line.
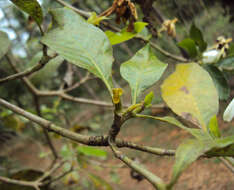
[
  {"x": 135, "y": 93},
  {"x": 103, "y": 77},
  {"x": 98, "y": 69},
  {"x": 89, "y": 57},
  {"x": 137, "y": 87}
]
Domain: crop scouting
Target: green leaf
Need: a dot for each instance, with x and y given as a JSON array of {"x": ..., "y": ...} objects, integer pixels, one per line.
[
  {"x": 186, "y": 154},
  {"x": 189, "y": 46},
  {"x": 81, "y": 43},
  {"x": 91, "y": 151},
  {"x": 142, "y": 71},
  {"x": 124, "y": 35},
  {"x": 191, "y": 94},
  {"x": 148, "y": 99},
  {"x": 32, "y": 7},
  {"x": 197, "y": 37},
  {"x": 213, "y": 128},
  {"x": 197, "y": 133},
  {"x": 95, "y": 20},
  {"x": 219, "y": 80},
  {"x": 99, "y": 183},
  {"x": 191, "y": 149},
  {"x": 223, "y": 147},
  {"x": 226, "y": 64},
  {"x": 4, "y": 44}
]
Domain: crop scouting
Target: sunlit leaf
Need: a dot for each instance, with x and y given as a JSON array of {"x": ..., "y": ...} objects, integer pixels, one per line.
[
  {"x": 95, "y": 20},
  {"x": 142, "y": 71},
  {"x": 196, "y": 35},
  {"x": 91, "y": 151},
  {"x": 189, "y": 46},
  {"x": 32, "y": 7},
  {"x": 148, "y": 99},
  {"x": 213, "y": 127},
  {"x": 124, "y": 35},
  {"x": 219, "y": 80},
  {"x": 81, "y": 43},
  {"x": 4, "y": 44},
  {"x": 190, "y": 93}
]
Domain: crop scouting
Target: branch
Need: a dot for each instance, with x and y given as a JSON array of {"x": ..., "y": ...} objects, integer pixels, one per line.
[
  {"x": 33, "y": 184},
  {"x": 48, "y": 139},
  {"x": 228, "y": 164},
  {"x": 86, "y": 139},
  {"x": 113, "y": 28},
  {"x": 152, "y": 178},
  {"x": 119, "y": 119},
  {"x": 27, "y": 72},
  {"x": 83, "y": 139},
  {"x": 81, "y": 12},
  {"x": 33, "y": 91}
]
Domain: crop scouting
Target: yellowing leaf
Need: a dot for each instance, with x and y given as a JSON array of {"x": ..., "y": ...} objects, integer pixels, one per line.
[{"x": 190, "y": 93}]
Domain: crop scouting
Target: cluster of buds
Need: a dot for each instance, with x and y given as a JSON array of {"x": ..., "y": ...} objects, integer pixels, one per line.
[
  {"x": 217, "y": 51},
  {"x": 125, "y": 11},
  {"x": 169, "y": 27},
  {"x": 223, "y": 44}
]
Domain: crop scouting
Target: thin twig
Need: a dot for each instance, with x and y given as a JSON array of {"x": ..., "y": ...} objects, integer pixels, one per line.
[
  {"x": 119, "y": 120},
  {"x": 48, "y": 139},
  {"x": 87, "y": 14},
  {"x": 85, "y": 139},
  {"x": 33, "y": 91},
  {"x": 81, "y": 12},
  {"x": 33, "y": 184},
  {"x": 61, "y": 92},
  {"x": 227, "y": 164},
  {"x": 51, "y": 171},
  {"x": 27, "y": 72}
]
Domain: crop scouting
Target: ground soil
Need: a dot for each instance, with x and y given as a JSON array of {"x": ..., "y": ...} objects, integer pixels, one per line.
[{"x": 204, "y": 174}]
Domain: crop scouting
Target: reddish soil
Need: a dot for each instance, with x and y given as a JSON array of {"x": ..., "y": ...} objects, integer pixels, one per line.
[{"x": 204, "y": 174}]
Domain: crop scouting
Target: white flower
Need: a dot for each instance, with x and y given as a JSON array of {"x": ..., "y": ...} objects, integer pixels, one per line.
[
  {"x": 229, "y": 112},
  {"x": 211, "y": 56}
]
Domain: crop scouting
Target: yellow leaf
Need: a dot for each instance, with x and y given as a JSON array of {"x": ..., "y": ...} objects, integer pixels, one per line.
[{"x": 190, "y": 93}]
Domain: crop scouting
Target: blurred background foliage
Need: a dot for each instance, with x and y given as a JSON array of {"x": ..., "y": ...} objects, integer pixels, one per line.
[{"x": 214, "y": 18}]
